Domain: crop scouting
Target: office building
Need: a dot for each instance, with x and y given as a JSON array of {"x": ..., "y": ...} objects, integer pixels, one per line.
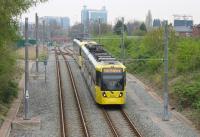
[
  {"x": 90, "y": 16},
  {"x": 63, "y": 22}
]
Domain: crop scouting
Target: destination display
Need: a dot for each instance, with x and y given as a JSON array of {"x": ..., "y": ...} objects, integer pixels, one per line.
[{"x": 113, "y": 70}]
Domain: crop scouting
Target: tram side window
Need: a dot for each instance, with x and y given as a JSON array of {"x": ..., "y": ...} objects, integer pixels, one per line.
[
  {"x": 98, "y": 78},
  {"x": 124, "y": 78}
]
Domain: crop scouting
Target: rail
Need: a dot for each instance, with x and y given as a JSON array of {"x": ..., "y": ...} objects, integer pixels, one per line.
[
  {"x": 131, "y": 124},
  {"x": 61, "y": 100},
  {"x": 82, "y": 117}
]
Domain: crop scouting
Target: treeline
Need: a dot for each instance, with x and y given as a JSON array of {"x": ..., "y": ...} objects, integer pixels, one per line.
[
  {"x": 131, "y": 28},
  {"x": 184, "y": 65},
  {"x": 10, "y": 11}
]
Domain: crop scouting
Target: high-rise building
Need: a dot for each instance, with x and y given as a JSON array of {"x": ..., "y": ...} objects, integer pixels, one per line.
[
  {"x": 63, "y": 22},
  {"x": 148, "y": 21},
  {"x": 95, "y": 15},
  {"x": 89, "y": 16}
]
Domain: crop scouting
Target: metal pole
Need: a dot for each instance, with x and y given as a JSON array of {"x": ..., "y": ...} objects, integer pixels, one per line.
[
  {"x": 36, "y": 35},
  {"x": 99, "y": 29},
  {"x": 45, "y": 74},
  {"x": 84, "y": 29},
  {"x": 123, "y": 48},
  {"x": 43, "y": 22},
  {"x": 26, "y": 96},
  {"x": 165, "y": 95},
  {"x": 45, "y": 65}
]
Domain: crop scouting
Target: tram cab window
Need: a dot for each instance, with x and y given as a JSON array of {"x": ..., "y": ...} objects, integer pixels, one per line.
[
  {"x": 98, "y": 78},
  {"x": 112, "y": 82}
]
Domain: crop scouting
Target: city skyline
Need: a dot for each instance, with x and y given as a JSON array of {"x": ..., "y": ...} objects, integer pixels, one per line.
[{"x": 129, "y": 9}]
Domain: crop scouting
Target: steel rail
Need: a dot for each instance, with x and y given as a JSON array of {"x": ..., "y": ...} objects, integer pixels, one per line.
[
  {"x": 82, "y": 117},
  {"x": 68, "y": 50},
  {"x": 61, "y": 100},
  {"x": 110, "y": 123},
  {"x": 131, "y": 124}
]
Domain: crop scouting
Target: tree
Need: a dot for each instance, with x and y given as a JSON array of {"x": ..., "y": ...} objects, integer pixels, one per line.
[
  {"x": 10, "y": 10},
  {"x": 75, "y": 30},
  {"x": 133, "y": 27},
  {"x": 130, "y": 27},
  {"x": 104, "y": 28},
  {"x": 140, "y": 31},
  {"x": 143, "y": 27},
  {"x": 118, "y": 27}
]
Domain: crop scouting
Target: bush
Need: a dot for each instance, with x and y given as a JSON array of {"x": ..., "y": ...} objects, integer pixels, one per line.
[
  {"x": 139, "y": 33},
  {"x": 187, "y": 55},
  {"x": 9, "y": 92},
  {"x": 188, "y": 94},
  {"x": 197, "y": 105},
  {"x": 42, "y": 57}
]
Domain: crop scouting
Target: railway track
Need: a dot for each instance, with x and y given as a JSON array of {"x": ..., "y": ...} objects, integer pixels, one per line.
[
  {"x": 110, "y": 123},
  {"x": 76, "y": 95},
  {"x": 131, "y": 124},
  {"x": 61, "y": 100},
  {"x": 133, "y": 131},
  {"x": 68, "y": 50},
  {"x": 115, "y": 126}
]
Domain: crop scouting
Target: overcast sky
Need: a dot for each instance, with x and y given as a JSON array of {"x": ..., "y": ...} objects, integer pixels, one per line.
[{"x": 129, "y": 9}]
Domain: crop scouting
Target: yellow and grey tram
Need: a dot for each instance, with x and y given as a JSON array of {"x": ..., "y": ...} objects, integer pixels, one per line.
[{"x": 105, "y": 76}]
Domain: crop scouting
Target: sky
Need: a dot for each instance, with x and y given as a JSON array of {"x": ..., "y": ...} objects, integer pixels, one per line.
[{"x": 129, "y": 9}]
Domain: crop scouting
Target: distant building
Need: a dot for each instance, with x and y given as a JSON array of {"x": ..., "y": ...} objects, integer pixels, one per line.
[
  {"x": 157, "y": 23},
  {"x": 196, "y": 31},
  {"x": 63, "y": 22},
  {"x": 148, "y": 20},
  {"x": 60, "y": 39},
  {"x": 183, "y": 25},
  {"x": 89, "y": 16},
  {"x": 85, "y": 18}
]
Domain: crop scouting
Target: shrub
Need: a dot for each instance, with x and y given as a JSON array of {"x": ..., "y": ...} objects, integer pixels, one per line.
[
  {"x": 197, "y": 105},
  {"x": 187, "y": 55},
  {"x": 188, "y": 94},
  {"x": 9, "y": 92}
]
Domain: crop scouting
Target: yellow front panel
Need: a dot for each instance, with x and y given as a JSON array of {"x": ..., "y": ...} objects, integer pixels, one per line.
[{"x": 111, "y": 97}]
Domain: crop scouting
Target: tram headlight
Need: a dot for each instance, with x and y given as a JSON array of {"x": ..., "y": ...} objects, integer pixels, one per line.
[
  {"x": 104, "y": 94},
  {"x": 120, "y": 94}
]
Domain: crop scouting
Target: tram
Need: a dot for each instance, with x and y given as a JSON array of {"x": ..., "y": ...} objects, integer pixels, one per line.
[{"x": 105, "y": 76}]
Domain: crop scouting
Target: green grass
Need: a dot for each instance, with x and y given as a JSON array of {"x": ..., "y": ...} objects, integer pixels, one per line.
[{"x": 32, "y": 52}]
